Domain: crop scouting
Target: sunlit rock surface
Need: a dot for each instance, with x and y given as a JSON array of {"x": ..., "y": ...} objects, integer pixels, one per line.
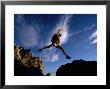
[{"x": 25, "y": 64}]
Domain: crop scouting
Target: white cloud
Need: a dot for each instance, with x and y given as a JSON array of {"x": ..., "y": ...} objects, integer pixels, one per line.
[
  {"x": 94, "y": 41},
  {"x": 93, "y": 38},
  {"x": 28, "y": 36},
  {"x": 20, "y": 19},
  {"x": 94, "y": 35},
  {"x": 55, "y": 57},
  {"x": 93, "y": 25},
  {"x": 49, "y": 55},
  {"x": 85, "y": 29}
]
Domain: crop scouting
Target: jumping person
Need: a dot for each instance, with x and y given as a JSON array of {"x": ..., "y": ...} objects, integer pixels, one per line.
[{"x": 56, "y": 43}]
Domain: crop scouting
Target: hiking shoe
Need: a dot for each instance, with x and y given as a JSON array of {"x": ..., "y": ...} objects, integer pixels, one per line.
[
  {"x": 40, "y": 49},
  {"x": 68, "y": 57}
]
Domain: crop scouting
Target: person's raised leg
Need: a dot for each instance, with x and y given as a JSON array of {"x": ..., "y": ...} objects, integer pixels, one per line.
[{"x": 58, "y": 46}]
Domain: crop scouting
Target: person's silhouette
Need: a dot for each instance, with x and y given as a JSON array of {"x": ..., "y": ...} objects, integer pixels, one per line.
[{"x": 56, "y": 43}]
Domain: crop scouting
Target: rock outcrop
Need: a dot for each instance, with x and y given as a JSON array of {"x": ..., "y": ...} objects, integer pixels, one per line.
[
  {"x": 25, "y": 64},
  {"x": 78, "y": 68}
]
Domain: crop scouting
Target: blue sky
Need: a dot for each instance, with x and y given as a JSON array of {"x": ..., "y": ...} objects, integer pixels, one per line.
[{"x": 79, "y": 38}]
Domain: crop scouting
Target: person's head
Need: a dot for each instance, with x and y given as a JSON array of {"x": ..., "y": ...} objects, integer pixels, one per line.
[{"x": 60, "y": 29}]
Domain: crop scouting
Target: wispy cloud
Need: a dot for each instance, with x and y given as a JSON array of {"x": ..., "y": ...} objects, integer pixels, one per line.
[
  {"x": 94, "y": 41},
  {"x": 94, "y": 35},
  {"x": 55, "y": 57},
  {"x": 27, "y": 34},
  {"x": 87, "y": 41},
  {"x": 85, "y": 29},
  {"x": 49, "y": 55},
  {"x": 93, "y": 38}
]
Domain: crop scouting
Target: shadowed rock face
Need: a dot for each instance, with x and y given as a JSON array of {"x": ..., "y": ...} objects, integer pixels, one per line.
[
  {"x": 25, "y": 64},
  {"x": 78, "y": 68},
  {"x": 22, "y": 70}
]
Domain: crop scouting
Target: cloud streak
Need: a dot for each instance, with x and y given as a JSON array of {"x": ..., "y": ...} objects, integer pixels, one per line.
[
  {"x": 85, "y": 29},
  {"x": 94, "y": 35},
  {"x": 49, "y": 55},
  {"x": 87, "y": 41},
  {"x": 93, "y": 38},
  {"x": 94, "y": 41},
  {"x": 55, "y": 57}
]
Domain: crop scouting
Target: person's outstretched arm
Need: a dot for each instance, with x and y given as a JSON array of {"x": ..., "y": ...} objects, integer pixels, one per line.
[{"x": 59, "y": 31}]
